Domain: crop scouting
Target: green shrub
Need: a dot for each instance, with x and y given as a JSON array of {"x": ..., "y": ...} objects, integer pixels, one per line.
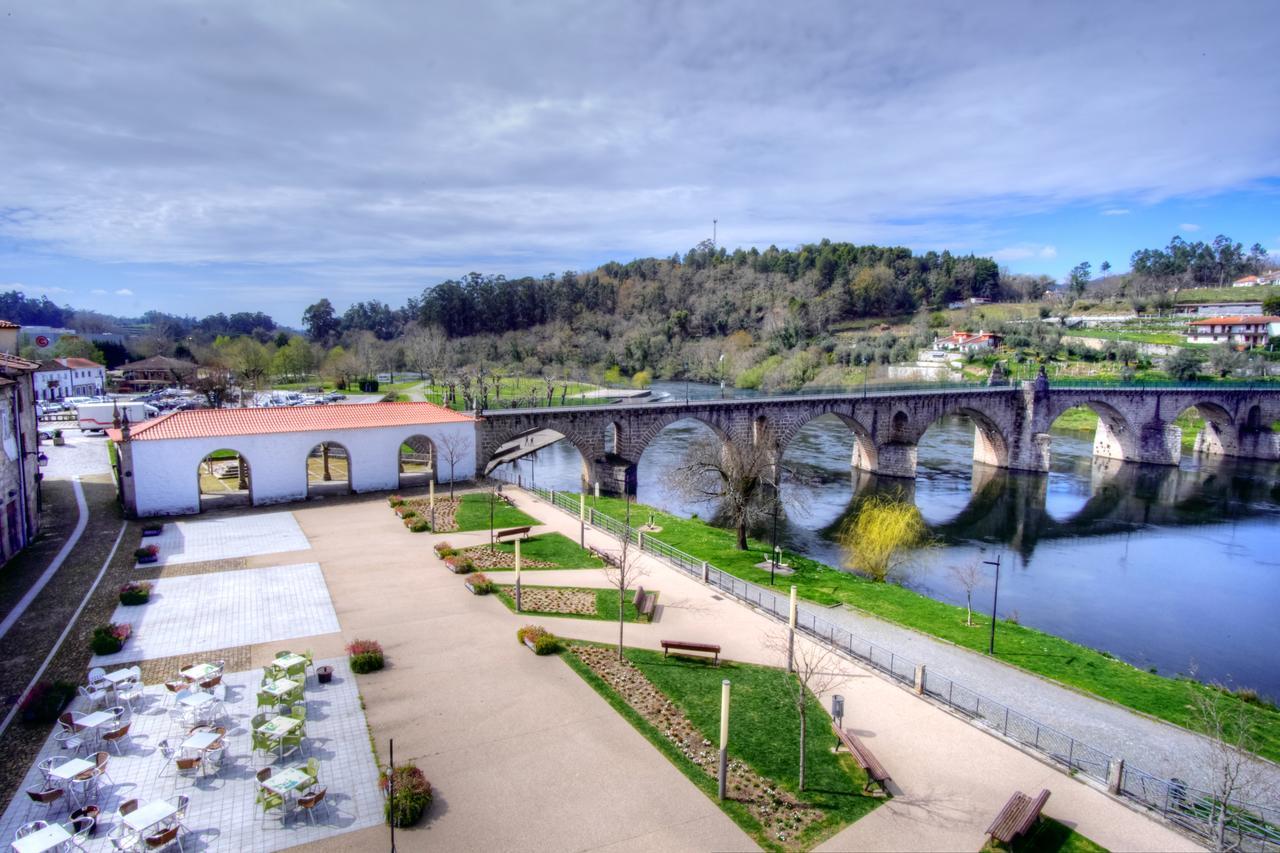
[
  {"x": 365, "y": 656},
  {"x": 529, "y": 632},
  {"x": 409, "y": 798},
  {"x": 546, "y": 644},
  {"x": 420, "y": 525},
  {"x": 480, "y": 585},
  {"x": 136, "y": 592},
  {"x": 109, "y": 639},
  {"x": 146, "y": 552},
  {"x": 443, "y": 549},
  {"x": 459, "y": 564},
  {"x": 395, "y": 500}
]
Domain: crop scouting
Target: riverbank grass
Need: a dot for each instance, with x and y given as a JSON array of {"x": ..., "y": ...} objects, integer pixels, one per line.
[
  {"x": 1071, "y": 664},
  {"x": 764, "y": 734},
  {"x": 473, "y": 514}
]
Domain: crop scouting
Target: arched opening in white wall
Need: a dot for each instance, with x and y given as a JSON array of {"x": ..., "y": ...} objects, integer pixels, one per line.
[
  {"x": 328, "y": 470},
  {"x": 417, "y": 461},
  {"x": 225, "y": 479}
]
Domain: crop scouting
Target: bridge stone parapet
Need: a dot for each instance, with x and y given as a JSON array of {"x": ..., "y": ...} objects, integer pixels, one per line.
[{"x": 1012, "y": 425}]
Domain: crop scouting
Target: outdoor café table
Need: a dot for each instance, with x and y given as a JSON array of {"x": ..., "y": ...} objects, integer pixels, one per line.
[
  {"x": 144, "y": 817},
  {"x": 277, "y": 727},
  {"x": 279, "y": 687},
  {"x": 201, "y": 740},
  {"x": 118, "y": 676},
  {"x": 284, "y": 782},
  {"x": 97, "y": 718},
  {"x": 53, "y": 835},
  {"x": 196, "y": 700},
  {"x": 289, "y": 660},
  {"x": 68, "y": 770},
  {"x": 199, "y": 672}
]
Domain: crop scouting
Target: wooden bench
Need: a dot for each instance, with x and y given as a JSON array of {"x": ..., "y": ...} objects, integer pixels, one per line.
[
  {"x": 682, "y": 645},
  {"x": 512, "y": 532},
  {"x": 1017, "y": 817},
  {"x": 876, "y": 774},
  {"x": 645, "y": 602}
]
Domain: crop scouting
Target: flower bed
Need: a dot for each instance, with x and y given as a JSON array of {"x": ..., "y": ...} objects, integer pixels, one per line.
[
  {"x": 410, "y": 797},
  {"x": 581, "y": 602},
  {"x": 109, "y": 639},
  {"x": 365, "y": 656},
  {"x": 781, "y": 815},
  {"x": 445, "y": 512},
  {"x": 486, "y": 558},
  {"x": 147, "y": 554},
  {"x": 153, "y": 528},
  {"x": 459, "y": 564},
  {"x": 479, "y": 584},
  {"x": 443, "y": 549},
  {"x": 135, "y": 592},
  {"x": 538, "y": 639}
]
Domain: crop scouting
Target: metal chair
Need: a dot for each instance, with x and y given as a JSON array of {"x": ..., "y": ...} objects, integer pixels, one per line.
[
  {"x": 163, "y": 838},
  {"x": 115, "y": 736},
  {"x": 28, "y": 828},
  {"x": 123, "y": 838},
  {"x": 49, "y": 798},
  {"x": 311, "y": 801},
  {"x": 80, "y": 828}
]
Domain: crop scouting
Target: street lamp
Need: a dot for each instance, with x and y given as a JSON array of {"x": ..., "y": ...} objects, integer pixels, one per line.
[
  {"x": 721, "y": 365},
  {"x": 995, "y": 596},
  {"x": 777, "y": 497}
]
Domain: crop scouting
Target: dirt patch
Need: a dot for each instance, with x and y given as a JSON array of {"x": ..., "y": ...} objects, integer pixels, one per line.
[
  {"x": 484, "y": 558},
  {"x": 177, "y": 570},
  {"x": 782, "y": 816},
  {"x": 160, "y": 670},
  {"x": 581, "y": 602}
]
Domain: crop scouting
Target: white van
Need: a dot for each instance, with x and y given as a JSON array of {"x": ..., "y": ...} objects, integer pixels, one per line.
[{"x": 102, "y": 416}]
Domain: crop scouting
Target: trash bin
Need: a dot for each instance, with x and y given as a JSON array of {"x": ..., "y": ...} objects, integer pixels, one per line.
[{"x": 324, "y": 674}]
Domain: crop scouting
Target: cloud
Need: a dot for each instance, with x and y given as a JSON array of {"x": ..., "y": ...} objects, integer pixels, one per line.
[
  {"x": 1189, "y": 227},
  {"x": 98, "y": 291},
  {"x": 124, "y": 291},
  {"x": 291, "y": 138},
  {"x": 1116, "y": 211},
  {"x": 34, "y": 289},
  {"x": 1024, "y": 252}
]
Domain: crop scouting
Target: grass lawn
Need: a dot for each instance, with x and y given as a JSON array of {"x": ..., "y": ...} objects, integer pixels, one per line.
[
  {"x": 1077, "y": 666},
  {"x": 553, "y": 548},
  {"x": 606, "y": 603},
  {"x": 764, "y": 733},
  {"x": 1172, "y": 339},
  {"x": 473, "y": 514},
  {"x": 1049, "y": 836}
]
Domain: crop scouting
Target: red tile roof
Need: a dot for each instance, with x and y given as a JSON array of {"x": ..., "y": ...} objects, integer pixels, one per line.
[
  {"x": 13, "y": 362},
  {"x": 81, "y": 363},
  {"x": 209, "y": 423},
  {"x": 5, "y": 324},
  {"x": 1235, "y": 321}
]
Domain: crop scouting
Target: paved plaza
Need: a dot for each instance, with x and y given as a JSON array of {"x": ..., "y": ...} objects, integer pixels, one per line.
[
  {"x": 215, "y": 610},
  {"x": 228, "y": 537},
  {"x": 222, "y": 814}
]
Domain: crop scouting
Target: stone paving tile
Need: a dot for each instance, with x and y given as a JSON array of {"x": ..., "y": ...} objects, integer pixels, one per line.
[
  {"x": 199, "y": 613},
  {"x": 222, "y": 814},
  {"x": 226, "y": 537}
]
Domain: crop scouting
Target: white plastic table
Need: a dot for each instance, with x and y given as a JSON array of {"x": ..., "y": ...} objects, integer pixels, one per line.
[
  {"x": 53, "y": 835},
  {"x": 280, "y": 726},
  {"x": 279, "y": 687},
  {"x": 199, "y": 672},
  {"x": 119, "y": 675},
  {"x": 201, "y": 740},
  {"x": 286, "y": 780},
  {"x": 197, "y": 700},
  {"x": 288, "y": 661},
  {"x": 97, "y": 718},
  {"x": 71, "y": 769},
  {"x": 145, "y": 817}
]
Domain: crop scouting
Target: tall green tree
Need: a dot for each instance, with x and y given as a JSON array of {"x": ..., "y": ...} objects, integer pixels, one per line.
[{"x": 321, "y": 321}]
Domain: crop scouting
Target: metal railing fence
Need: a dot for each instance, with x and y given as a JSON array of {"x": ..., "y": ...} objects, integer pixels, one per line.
[{"x": 1248, "y": 826}]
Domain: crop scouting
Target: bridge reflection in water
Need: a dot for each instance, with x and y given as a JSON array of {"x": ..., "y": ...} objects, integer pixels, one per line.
[{"x": 1159, "y": 565}]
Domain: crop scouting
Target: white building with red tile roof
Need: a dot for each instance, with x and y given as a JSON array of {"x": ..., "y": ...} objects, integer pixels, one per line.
[
  {"x": 163, "y": 460},
  {"x": 968, "y": 341},
  {"x": 69, "y": 377},
  {"x": 1241, "y": 331},
  {"x": 1264, "y": 279}
]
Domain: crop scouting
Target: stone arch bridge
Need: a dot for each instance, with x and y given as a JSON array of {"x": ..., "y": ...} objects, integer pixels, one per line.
[{"x": 1011, "y": 425}]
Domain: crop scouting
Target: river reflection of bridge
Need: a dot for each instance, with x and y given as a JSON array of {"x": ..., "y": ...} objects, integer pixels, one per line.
[{"x": 1012, "y": 508}]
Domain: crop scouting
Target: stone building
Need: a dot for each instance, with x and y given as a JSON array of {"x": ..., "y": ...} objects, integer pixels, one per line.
[{"x": 19, "y": 454}]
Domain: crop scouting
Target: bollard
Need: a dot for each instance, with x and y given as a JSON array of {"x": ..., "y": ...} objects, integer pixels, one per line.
[
  {"x": 1115, "y": 774},
  {"x": 791, "y": 634},
  {"x": 724, "y": 736},
  {"x": 517, "y": 574},
  {"x": 919, "y": 679},
  {"x": 706, "y": 572},
  {"x": 582, "y": 507},
  {"x": 640, "y": 539},
  {"x": 432, "y": 483}
]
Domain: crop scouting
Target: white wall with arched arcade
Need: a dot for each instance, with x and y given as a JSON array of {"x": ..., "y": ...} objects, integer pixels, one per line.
[{"x": 165, "y": 481}]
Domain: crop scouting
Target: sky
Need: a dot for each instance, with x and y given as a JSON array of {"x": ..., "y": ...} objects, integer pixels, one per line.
[{"x": 243, "y": 156}]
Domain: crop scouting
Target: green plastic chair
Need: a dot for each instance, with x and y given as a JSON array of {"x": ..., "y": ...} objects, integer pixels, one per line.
[
  {"x": 266, "y": 700},
  {"x": 298, "y": 670},
  {"x": 262, "y": 743},
  {"x": 299, "y": 711},
  {"x": 313, "y": 767},
  {"x": 292, "y": 742}
]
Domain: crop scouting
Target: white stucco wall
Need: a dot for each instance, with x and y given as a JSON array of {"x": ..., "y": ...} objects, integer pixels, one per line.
[{"x": 166, "y": 478}]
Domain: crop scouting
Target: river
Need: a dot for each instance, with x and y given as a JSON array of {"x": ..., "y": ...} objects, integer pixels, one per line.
[{"x": 1166, "y": 568}]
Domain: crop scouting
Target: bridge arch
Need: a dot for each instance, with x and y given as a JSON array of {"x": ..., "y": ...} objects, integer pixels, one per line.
[
  {"x": 1114, "y": 437},
  {"x": 636, "y": 445},
  {"x": 991, "y": 445},
  {"x": 864, "y": 455},
  {"x": 512, "y": 446},
  {"x": 1219, "y": 434}
]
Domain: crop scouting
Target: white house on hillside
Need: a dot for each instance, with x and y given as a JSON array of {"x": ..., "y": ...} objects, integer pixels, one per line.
[
  {"x": 1242, "y": 332},
  {"x": 1260, "y": 280},
  {"x": 69, "y": 377}
]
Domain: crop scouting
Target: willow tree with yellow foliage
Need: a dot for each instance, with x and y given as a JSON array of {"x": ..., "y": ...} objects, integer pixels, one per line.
[{"x": 881, "y": 537}]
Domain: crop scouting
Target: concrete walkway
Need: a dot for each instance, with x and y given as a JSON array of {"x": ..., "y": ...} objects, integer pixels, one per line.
[
  {"x": 1158, "y": 748},
  {"x": 523, "y": 753},
  {"x": 526, "y": 756},
  {"x": 951, "y": 778}
]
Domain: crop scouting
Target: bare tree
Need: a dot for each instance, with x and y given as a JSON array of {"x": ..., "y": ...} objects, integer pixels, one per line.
[
  {"x": 813, "y": 673},
  {"x": 969, "y": 576},
  {"x": 1230, "y": 729},
  {"x": 731, "y": 474},
  {"x": 622, "y": 576},
  {"x": 424, "y": 349},
  {"x": 453, "y": 449}
]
